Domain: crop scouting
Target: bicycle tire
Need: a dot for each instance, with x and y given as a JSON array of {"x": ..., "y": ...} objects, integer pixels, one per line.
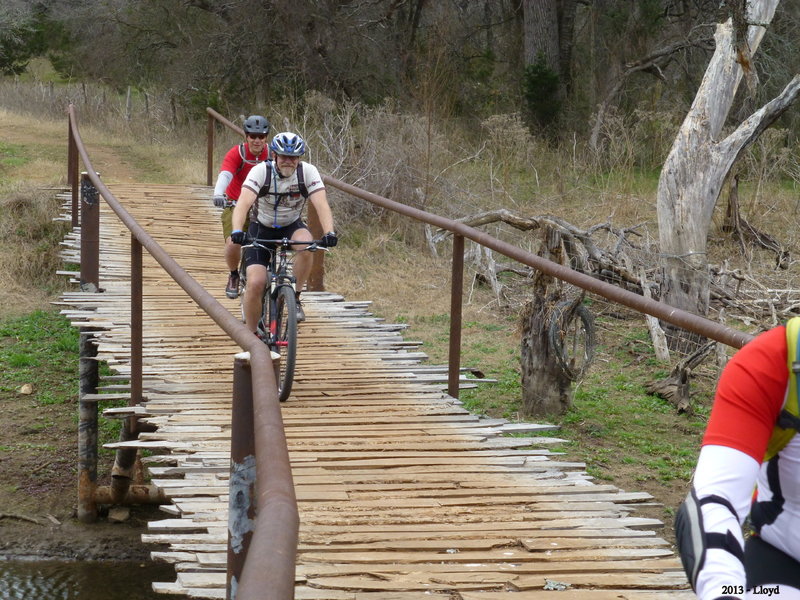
[{"x": 285, "y": 338}]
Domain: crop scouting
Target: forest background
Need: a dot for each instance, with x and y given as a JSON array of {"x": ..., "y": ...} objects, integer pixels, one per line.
[{"x": 563, "y": 107}]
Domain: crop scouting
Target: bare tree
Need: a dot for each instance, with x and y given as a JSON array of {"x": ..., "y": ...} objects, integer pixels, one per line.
[{"x": 702, "y": 155}]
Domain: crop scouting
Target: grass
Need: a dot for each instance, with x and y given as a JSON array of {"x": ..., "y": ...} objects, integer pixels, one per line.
[
  {"x": 11, "y": 156},
  {"x": 40, "y": 350}
]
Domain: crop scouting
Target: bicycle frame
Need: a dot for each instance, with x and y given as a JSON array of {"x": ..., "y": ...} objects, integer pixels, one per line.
[{"x": 277, "y": 326}]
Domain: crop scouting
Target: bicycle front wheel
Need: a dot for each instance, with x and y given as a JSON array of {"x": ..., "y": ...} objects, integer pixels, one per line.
[{"x": 285, "y": 338}]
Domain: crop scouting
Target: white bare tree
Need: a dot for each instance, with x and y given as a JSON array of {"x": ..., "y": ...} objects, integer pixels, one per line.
[{"x": 702, "y": 155}]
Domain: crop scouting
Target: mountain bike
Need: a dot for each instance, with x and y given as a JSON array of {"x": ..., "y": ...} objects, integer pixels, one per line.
[{"x": 277, "y": 326}]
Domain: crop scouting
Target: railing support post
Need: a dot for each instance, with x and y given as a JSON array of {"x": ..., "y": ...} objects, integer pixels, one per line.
[
  {"x": 316, "y": 279},
  {"x": 242, "y": 497},
  {"x": 90, "y": 235},
  {"x": 87, "y": 427},
  {"x": 136, "y": 322},
  {"x": 123, "y": 470},
  {"x": 210, "y": 149},
  {"x": 72, "y": 175},
  {"x": 456, "y": 301}
]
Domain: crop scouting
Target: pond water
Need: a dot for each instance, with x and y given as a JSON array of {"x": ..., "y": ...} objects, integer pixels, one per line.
[{"x": 83, "y": 580}]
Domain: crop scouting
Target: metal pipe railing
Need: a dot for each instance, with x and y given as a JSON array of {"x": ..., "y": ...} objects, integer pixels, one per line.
[
  {"x": 681, "y": 318},
  {"x": 276, "y": 530},
  {"x": 692, "y": 322}
]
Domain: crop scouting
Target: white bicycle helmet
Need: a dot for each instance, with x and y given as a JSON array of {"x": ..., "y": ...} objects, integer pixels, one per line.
[{"x": 288, "y": 144}]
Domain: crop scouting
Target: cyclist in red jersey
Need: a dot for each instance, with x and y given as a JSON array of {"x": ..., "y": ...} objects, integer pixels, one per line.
[
  {"x": 235, "y": 167},
  {"x": 735, "y": 480}
]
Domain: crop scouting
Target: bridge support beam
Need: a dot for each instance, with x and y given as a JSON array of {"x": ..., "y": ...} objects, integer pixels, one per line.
[
  {"x": 134, "y": 494},
  {"x": 87, "y": 427}
]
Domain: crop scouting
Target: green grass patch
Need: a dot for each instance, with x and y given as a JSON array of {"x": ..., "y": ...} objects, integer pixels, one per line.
[
  {"x": 39, "y": 349},
  {"x": 12, "y": 156}
]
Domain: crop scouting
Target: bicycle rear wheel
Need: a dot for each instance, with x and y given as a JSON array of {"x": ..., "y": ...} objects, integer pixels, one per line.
[{"x": 285, "y": 338}]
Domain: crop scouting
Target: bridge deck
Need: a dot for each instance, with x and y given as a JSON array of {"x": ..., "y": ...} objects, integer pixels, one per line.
[{"x": 402, "y": 492}]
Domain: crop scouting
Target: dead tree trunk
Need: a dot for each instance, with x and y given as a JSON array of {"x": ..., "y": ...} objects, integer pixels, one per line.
[
  {"x": 546, "y": 390},
  {"x": 698, "y": 164}
]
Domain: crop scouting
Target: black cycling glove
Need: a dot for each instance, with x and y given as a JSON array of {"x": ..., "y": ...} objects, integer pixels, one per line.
[
  {"x": 219, "y": 201},
  {"x": 238, "y": 237},
  {"x": 329, "y": 240}
]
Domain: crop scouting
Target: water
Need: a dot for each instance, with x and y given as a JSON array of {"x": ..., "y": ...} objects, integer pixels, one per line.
[{"x": 83, "y": 580}]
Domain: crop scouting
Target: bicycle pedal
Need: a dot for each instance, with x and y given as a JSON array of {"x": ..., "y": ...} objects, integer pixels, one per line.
[{"x": 274, "y": 355}]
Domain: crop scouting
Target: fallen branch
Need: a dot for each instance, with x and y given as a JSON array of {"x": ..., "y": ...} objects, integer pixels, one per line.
[{"x": 20, "y": 518}]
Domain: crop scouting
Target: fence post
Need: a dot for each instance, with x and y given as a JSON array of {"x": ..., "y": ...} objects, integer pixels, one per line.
[
  {"x": 241, "y": 497},
  {"x": 87, "y": 427},
  {"x": 90, "y": 235},
  {"x": 456, "y": 301}
]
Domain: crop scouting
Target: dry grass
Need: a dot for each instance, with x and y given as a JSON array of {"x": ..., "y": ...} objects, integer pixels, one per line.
[{"x": 29, "y": 248}]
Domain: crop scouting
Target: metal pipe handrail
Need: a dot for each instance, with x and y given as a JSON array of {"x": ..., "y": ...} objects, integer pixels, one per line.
[
  {"x": 276, "y": 533},
  {"x": 681, "y": 318}
]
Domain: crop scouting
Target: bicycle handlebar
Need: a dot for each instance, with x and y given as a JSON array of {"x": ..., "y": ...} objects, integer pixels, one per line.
[{"x": 311, "y": 246}]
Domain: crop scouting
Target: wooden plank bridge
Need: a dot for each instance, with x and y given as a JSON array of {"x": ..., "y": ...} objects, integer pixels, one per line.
[{"x": 402, "y": 492}]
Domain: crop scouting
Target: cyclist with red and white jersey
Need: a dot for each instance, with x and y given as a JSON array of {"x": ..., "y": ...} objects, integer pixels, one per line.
[
  {"x": 737, "y": 477},
  {"x": 235, "y": 167},
  {"x": 275, "y": 193}
]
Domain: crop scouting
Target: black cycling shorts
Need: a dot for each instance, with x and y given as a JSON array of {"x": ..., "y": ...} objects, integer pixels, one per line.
[
  {"x": 765, "y": 565},
  {"x": 257, "y": 256}
]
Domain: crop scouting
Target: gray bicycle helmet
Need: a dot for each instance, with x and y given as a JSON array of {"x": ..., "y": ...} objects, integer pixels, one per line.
[
  {"x": 288, "y": 144},
  {"x": 256, "y": 124}
]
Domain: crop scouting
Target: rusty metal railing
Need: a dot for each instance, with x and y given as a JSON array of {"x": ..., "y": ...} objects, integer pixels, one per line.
[
  {"x": 692, "y": 322},
  {"x": 273, "y": 539},
  {"x": 697, "y": 324}
]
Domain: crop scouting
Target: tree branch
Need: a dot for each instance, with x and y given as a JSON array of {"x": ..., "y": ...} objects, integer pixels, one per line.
[
  {"x": 729, "y": 149},
  {"x": 651, "y": 61}
]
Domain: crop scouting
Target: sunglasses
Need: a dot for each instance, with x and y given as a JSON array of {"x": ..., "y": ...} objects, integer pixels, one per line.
[{"x": 256, "y": 136}]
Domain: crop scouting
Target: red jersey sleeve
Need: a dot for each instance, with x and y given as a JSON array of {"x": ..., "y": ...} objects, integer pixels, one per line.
[
  {"x": 232, "y": 160},
  {"x": 750, "y": 394}
]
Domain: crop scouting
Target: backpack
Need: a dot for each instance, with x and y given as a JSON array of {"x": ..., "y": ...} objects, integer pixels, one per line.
[
  {"x": 788, "y": 422},
  {"x": 301, "y": 184},
  {"x": 300, "y": 181}
]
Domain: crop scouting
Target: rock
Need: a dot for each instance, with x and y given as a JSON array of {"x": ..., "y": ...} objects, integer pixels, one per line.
[{"x": 118, "y": 514}]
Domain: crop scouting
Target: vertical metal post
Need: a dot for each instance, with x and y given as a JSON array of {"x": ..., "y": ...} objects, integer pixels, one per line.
[
  {"x": 87, "y": 427},
  {"x": 456, "y": 301},
  {"x": 242, "y": 497},
  {"x": 72, "y": 174},
  {"x": 124, "y": 467},
  {"x": 316, "y": 279},
  {"x": 210, "y": 149},
  {"x": 136, "y": 322},
  {"x": 90, "y": 235}
]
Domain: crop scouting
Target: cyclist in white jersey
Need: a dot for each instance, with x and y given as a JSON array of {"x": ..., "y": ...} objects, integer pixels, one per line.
[{"x": 274, "y": 194}]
